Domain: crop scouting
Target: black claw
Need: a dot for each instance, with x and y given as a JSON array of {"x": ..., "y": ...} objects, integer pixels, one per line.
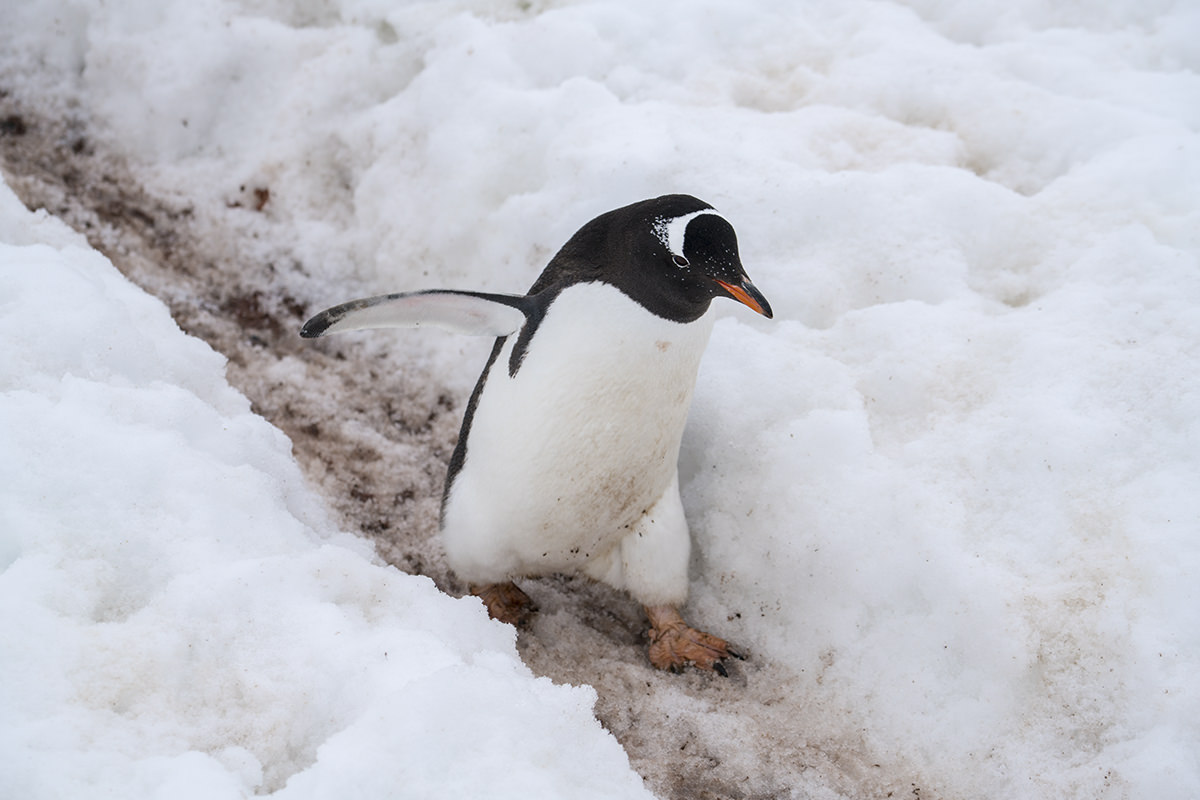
[
  {"x": 719, "y": 668},
  {"x": 738, "y": 656}
]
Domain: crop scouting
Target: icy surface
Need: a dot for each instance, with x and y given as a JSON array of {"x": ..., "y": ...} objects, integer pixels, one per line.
[{"x": 949, "y": 498}]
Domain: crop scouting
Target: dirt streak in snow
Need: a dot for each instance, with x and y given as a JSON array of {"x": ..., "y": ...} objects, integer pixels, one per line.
[{"x": 374, "y": 431}]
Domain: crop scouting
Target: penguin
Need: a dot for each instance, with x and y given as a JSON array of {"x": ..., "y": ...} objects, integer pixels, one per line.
[{"x": 567, "y": 457}]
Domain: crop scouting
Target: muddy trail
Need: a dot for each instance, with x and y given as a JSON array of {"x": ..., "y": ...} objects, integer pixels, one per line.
[{"x": 380, "y": 460}]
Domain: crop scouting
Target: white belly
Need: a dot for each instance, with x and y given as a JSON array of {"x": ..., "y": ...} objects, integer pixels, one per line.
[{"x": 564, "y": 459}]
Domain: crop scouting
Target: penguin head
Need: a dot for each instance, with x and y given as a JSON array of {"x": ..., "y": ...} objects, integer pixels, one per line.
[
  {"x": 672, "y": 254},
  {"x": 701, "y": 258}
]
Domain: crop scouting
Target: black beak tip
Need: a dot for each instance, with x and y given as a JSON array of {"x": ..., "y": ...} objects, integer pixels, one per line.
[
  {"x": 314, "y": 327},
  {"x": 747, "y": 294}
]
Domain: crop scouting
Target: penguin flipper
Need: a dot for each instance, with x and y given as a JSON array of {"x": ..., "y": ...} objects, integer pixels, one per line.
[{"x": 472, "y": 313}]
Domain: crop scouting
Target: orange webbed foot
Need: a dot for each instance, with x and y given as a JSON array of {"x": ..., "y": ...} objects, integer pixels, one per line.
[
  {"x": 675, "y": 645},
  {"x": 505, "y": 602}
]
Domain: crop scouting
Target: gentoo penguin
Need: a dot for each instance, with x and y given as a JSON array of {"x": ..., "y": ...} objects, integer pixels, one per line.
[{"x": 567, "y": 458}]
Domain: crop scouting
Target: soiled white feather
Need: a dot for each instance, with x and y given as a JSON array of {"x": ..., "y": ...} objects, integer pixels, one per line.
[{"x": 472, "y": 313}]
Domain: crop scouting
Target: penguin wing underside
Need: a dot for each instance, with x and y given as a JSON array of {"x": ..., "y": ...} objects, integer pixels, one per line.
[{"x": 472, "y": 313}]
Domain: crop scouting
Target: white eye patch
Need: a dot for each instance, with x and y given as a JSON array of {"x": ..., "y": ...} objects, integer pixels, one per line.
[{"x": 671, "y": 230}]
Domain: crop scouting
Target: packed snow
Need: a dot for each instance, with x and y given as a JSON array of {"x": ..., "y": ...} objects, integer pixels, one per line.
[{"x": 949, "y": 498}]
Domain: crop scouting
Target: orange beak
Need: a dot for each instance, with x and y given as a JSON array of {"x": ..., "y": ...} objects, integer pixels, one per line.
[{"x": 747, "y": 294}]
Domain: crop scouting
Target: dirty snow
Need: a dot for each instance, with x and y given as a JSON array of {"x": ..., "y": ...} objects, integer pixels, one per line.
[{"x": 946, "y": 499}]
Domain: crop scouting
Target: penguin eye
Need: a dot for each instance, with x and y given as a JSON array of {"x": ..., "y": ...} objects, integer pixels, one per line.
[{"x": 680, "y": 261}]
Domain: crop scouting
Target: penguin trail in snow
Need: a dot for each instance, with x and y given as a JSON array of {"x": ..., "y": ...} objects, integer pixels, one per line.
[{"x": 567, "y": 458}]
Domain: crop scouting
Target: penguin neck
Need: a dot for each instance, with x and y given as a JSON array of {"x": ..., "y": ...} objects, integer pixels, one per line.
[{"x": 677, "y": 302}]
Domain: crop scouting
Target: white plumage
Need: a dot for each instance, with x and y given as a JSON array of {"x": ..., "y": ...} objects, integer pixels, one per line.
[{"x": 571, "y": 463}]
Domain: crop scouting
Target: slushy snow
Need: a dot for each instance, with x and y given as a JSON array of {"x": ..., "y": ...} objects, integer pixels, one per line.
[{"x": 951, "y": 493}]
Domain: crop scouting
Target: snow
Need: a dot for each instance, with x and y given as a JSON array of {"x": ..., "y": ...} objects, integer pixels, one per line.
[
  {"x": 950, "y": 491},
  {"x": 181, "y": 617}
]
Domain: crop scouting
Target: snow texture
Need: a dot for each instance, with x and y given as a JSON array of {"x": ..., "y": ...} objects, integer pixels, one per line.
[{"x": 949, "y": 498}]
